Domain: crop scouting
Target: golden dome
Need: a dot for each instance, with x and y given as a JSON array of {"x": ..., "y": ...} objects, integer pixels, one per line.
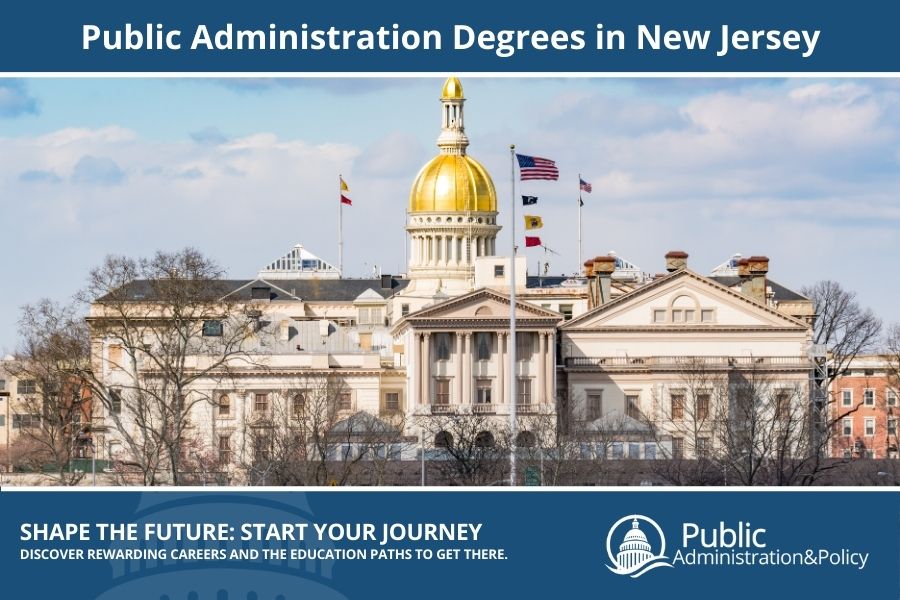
[
  {"x": 453, "y": 183},
  {"x": 452, "y": 89}
]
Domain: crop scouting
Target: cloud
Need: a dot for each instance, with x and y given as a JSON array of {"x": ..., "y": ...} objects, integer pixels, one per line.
[
  {"x": 98, "y": 170},
  {"x": 396, "y": 154},
  {"x": 15, "y": 100},
  {"x": 39, "y": 176},
  {"x": 333, "y": 85},
  {"x": 209, "y": 136}
]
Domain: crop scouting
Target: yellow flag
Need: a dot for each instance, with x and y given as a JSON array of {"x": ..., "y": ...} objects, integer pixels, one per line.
[
  {"x": 533, "y": 222},
  {"x": 344, "y": 186}
]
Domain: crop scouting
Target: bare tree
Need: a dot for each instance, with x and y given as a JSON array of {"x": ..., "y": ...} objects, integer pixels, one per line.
[
  {"x": 55, "y": 417},
  {"x": 159, "y": 325},
  {"x": 310, "y": 436},
  {"x": 842, "y": 325},
  {"x": 471, "y": 449}
]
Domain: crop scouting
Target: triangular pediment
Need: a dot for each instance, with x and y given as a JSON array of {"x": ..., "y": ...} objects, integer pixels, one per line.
[
  {"x": 683, "y": 299},
  {"x": 482, "y": 305}
]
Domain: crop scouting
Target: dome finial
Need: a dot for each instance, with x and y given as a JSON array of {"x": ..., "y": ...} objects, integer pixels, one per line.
[{"x": 452, "y": 89}]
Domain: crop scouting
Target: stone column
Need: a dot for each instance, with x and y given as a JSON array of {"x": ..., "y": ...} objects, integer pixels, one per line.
[
  {"x": 502, "y": 339},
  {"x": 467, "y": 370},
  {"x": 426, "y": 368},
  {"x": 413, "y": 365},
  {"x": 551, "y": 366},
  {"x": 460, "y": 357},
  {"x": 541, "y": 369}
]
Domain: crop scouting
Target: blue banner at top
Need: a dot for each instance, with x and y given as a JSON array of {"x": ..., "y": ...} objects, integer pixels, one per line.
[{"x": 105, "y": 36}]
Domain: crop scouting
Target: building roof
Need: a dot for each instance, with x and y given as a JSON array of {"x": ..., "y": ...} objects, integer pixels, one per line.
[
  {"x": 781, "y": 293},
  {"x": 307, "y": 290}
]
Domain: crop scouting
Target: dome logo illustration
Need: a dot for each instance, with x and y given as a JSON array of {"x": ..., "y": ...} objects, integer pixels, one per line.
[{"x": 635, "y": 556}]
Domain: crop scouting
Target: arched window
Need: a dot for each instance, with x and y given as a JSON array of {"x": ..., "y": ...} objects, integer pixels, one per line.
[
  {"x": 443, "y": 440},
  {"x": 298, "y": 405},
  {"x": 484, "y": 439},
  {"x": 525, "y": 439},
  {"x": 224, "y": 405}
]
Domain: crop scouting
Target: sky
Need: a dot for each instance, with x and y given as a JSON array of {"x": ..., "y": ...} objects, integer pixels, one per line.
[{"x": 804, "y": 171}]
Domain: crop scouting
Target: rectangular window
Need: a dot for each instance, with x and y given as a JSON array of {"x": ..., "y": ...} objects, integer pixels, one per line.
[
  {"x": 677, "y": 447},
  {"x": 847, "y": 426},
  {"x": 482, "y": 391},
  {"x": 298, "y": 405},
  {"x": 594, "y": 408},
  {"x": 442, "y": 391},
  {"x": 2, "y": 385},
  {"x": 707, "y": 316},
  {"x": 892, "y": 425},
  {"x": 703, "y": 446},
  {"x": 702, "y": 407},
  {"x": 442, "y": 346},
  {"x": 678, "y": 316},
  {"x": 846, "y": 397},
  {"x": 617, "y": 450},
  {"x": 345, "y": 401},
  {"x": 115, "y": 402},
  {"x": 212, "y": 328},
  {"x": 689, "y": 316},
  {"x": 782, "y": 406},
  {"x": 566, "y": 310},
  {"x": 890, "y": 395},
  {"x": 483, "y": 344},
  {"x": 677, "y": 402},
  {"x": 650, "y": 451},
  {"x": 523, "y": 391},
  {"x": 631, "y": 406},
  {"x": 2, "y": 420},
  {"x": 225, "y": 448},
  {"x": 262, "y": 445},
  {"x": 404, "y": 310},
  {"x": 260, "y": 403},
  {"x": 634, "y": 450},
  {"x": 869, "y": 397},
  {"x": 659, "y": 316},
  {"x": 224, "y": 405},
  {"x": 22, "y": 421},
  {"x": 392, "y": 401},
  {"x": 26, "y": 386},
  {"x": 498, "y": 270},
  {"x": 870, "y": 426},
  {"x": 524, "y": 346}
]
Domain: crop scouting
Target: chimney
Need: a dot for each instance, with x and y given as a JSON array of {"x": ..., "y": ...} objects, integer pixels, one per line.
[
  {"x": 752, "y": 272},
  {"x": 676, "y": 260},
  {"x": 599, "y": 273},
  {"x": 386, "y": 282},
  {"x": 603, "y": 270}
]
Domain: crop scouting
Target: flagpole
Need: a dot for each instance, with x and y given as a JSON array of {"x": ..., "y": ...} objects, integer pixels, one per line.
[
  {"x": 511, "y": 345},
  {"x": 580, "y": 202},
  {"x": 340, "y": 226}
]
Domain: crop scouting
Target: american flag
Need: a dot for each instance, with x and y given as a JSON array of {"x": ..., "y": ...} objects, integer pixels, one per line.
[
  {"x": 534, "y": 167},
  {"x": 585, "y": 186}
]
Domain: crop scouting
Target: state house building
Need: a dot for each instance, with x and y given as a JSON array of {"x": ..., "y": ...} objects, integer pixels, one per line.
[{"x": 608, "y": 344}]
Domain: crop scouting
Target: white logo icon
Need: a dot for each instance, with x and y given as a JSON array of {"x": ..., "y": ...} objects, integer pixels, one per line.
[{"x": 635, "y": 556}]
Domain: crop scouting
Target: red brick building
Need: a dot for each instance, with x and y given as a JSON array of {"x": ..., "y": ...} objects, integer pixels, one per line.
[{"x": 865, "y": 409}]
